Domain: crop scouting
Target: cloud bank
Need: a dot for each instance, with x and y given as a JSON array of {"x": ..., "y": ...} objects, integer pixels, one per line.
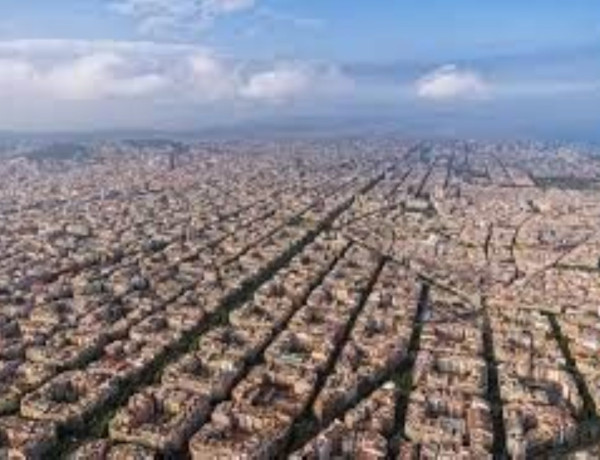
[
  {"x": 91, "y": 77},
  {"x": 90, "y": 84},
  {"x": 448, "y": 83},
  {"x": 63, "y": 69},
  {"x": 76, "y": 76},
  {"x": 288, "y": 81}
]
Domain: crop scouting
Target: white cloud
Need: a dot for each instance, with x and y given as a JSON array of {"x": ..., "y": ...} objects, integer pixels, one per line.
[
  {"x": 181, "y": 16},
  {"x": 451, "y": 83},
  {"x": 99, "y": 76},
  {"x": 14, "y": 73},
  {"x": 60, "y": 80},
  {"x": 211, "y": 78},
  {"x": 289, "y": 81},
  {"x": 91, "y": 77},
  {"x": 90, "y": 70},
  {"x": 277, "y": 84}
]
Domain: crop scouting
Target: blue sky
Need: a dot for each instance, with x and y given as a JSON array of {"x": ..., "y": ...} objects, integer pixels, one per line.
[{"x": 185, "y": 64}]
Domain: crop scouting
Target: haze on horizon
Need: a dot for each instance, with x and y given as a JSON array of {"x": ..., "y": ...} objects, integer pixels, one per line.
[{"x": 508, "y": 68}]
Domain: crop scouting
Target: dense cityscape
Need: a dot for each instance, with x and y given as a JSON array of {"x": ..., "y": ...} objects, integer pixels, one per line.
[{"x": 303, "y": 299}]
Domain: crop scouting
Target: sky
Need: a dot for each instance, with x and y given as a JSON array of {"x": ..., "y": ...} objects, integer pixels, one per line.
[{"x": 442, "y": 67}]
